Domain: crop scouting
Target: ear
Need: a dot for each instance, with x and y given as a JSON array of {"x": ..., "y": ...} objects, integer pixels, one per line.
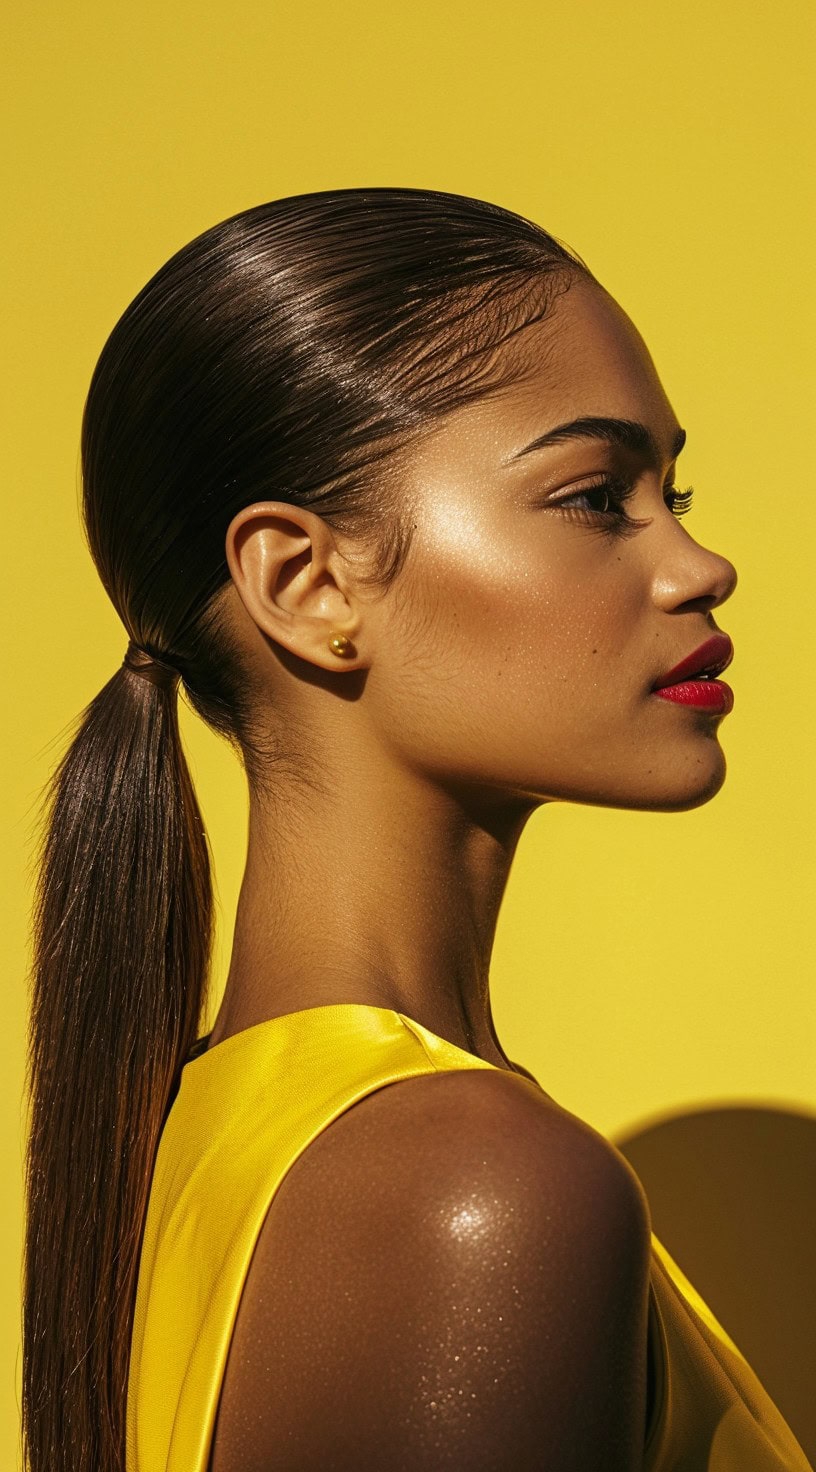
[{"x": 294, "y": 584}]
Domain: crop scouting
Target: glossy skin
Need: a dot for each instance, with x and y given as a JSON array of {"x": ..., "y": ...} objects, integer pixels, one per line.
[{"x": 510, "y": 664}]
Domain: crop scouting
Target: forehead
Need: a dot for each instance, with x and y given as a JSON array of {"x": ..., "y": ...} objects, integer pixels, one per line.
[{"x": 585, "y": 358}]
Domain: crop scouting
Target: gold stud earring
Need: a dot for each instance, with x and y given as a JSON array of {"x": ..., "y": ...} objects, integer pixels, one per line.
[{"x": 339, "y": 644}]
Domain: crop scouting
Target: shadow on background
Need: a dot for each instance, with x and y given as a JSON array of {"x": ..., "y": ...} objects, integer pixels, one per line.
[{"x": 732, "y": 1193}]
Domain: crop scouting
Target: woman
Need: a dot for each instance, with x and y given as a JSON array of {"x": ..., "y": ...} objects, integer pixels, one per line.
[{"x": 387, "y": 479}]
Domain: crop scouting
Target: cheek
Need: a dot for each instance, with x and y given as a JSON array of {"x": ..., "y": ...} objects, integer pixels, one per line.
[
  {"x": 507, "y": 647},
  {"x": 554, "y": 609}
]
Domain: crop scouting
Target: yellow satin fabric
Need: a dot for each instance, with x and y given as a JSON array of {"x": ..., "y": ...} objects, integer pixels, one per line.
[{"x": 243, "y": 1114}]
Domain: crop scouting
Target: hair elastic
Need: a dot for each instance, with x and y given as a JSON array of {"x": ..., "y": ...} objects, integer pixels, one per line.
[{"x": 156, "y": 671}]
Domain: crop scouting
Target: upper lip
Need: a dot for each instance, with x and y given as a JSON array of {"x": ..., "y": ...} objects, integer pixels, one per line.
[{"x": 710, "y": 658}]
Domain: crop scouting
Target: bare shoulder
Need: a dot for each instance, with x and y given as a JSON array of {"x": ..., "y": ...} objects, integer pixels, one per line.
[
  {"x": 454, "y": 1273},
  {"x": 401, "y": 1153}
]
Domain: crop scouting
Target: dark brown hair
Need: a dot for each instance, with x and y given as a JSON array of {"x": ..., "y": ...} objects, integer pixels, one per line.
[{"x": 281, "y": 355}]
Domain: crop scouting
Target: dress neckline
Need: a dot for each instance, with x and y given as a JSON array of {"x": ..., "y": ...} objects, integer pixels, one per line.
[{"x": 201, "y": 1050}]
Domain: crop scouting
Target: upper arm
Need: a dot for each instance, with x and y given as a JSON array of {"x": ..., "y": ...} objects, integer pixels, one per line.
[{"x": 456, "y": 1278}]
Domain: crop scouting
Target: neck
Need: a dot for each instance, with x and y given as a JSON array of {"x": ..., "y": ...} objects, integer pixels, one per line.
[{"x": 379, "y": 889}]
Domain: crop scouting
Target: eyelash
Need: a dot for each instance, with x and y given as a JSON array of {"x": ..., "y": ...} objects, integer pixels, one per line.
[{"x": 615, "y": 521}]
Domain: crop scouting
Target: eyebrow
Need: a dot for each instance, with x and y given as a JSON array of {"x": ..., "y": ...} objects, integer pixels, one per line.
[{"x": 626, "y": 432}]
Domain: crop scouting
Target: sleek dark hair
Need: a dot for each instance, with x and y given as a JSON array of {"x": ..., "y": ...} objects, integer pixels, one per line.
[{"x": 283, "y": 354}]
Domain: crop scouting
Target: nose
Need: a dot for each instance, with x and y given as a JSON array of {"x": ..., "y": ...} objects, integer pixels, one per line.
[{"x": 691, "y": 577}]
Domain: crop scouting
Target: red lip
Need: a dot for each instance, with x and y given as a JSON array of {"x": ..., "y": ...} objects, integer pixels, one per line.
[{"x": 710, "y": 658}]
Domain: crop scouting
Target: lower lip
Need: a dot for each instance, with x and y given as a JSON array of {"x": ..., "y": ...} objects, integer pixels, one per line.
[{"x": 704, "y": 694}]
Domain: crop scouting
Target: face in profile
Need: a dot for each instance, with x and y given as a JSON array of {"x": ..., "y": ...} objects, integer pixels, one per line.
[{"x": 549, "y": 589}]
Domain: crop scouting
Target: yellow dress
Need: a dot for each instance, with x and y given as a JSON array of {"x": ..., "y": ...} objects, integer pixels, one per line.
[{"x": 243, "y": 1113}]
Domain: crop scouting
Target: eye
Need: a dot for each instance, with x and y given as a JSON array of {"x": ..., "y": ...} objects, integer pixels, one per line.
[
  {"x": 601, "y": 507},
  {"x": 601, "y": 499},
  {"x": 604, "y": 503}
]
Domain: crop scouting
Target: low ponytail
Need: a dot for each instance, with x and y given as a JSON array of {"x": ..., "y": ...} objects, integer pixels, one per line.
[{"x": 122, "y": 942}]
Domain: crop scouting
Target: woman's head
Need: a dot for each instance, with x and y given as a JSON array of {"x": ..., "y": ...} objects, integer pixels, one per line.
[{"x": 314, "y": 413}]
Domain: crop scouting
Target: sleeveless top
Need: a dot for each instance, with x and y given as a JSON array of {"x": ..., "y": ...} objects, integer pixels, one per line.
[{"x": 242, "y": 1114}]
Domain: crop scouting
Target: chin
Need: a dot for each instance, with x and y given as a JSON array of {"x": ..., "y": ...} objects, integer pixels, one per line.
[
  {"x": 678, "y": 794},
  {"x": 673, "y": 790}
]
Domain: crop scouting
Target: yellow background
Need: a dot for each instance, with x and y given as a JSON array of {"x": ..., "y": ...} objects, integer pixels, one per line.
[{"x": 644, "y": 963}]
